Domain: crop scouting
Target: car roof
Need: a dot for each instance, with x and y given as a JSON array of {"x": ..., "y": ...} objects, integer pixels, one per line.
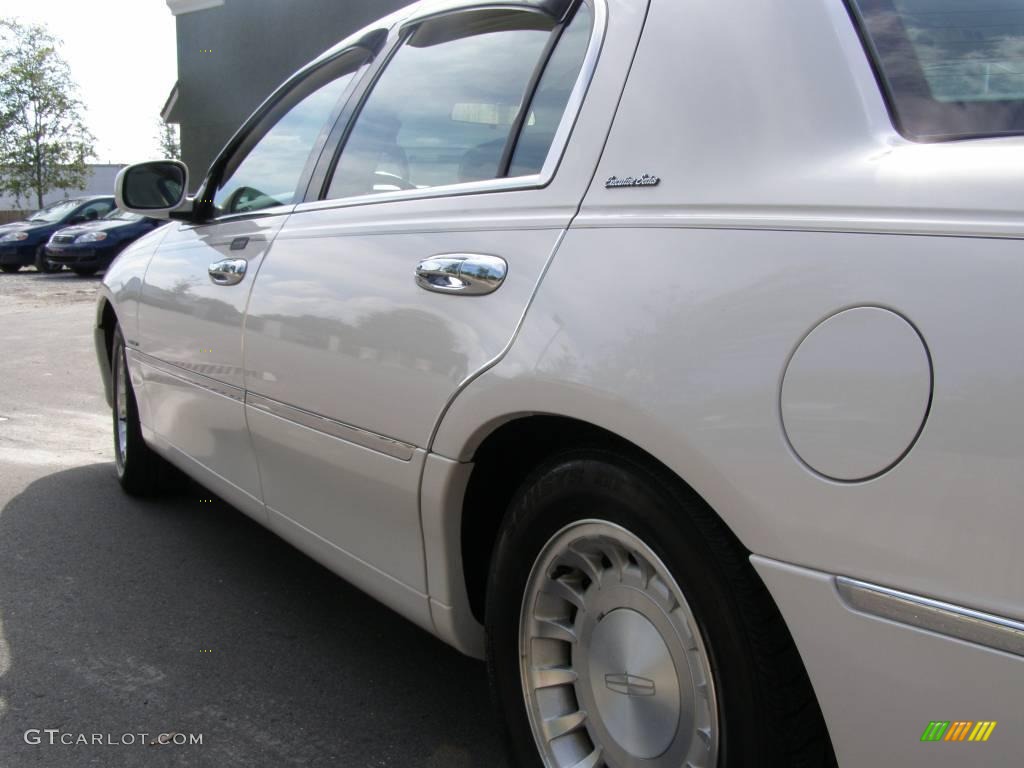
[{"x": 83, "y": 199}]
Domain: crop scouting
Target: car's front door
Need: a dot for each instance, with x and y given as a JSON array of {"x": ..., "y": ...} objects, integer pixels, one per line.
[
  {"x": 189, "y": 346},
  {"x": 411, "y": 272}
]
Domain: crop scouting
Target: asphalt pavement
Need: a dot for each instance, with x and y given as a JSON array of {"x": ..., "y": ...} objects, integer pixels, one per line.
[{"x": 129, "y": 628}]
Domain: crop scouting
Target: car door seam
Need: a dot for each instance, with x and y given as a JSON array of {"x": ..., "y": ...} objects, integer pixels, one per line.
[{"x": 547, "y": 265}]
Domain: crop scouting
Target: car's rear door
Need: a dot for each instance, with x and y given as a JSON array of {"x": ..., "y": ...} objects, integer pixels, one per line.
[
  {"x": 193, "y": 300},
  {"x": 467, "y": 159}
]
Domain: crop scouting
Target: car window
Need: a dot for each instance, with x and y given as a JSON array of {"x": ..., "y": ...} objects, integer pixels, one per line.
[
  {"x": 552, "y": 95},
  {"x": 951, "y": 68},
  {"x": 54, "y": 212},
  {"x": 267, "y": 171},
  {"x": 118, "y": 215},
  {"x": 96, "y": 210},
  {"x": 444, "y": 107}
]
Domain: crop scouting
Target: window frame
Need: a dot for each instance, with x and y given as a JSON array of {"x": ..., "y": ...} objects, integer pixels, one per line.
[
  {"x": 283, "y": 100},
  {"x": 316, "y": 197}
]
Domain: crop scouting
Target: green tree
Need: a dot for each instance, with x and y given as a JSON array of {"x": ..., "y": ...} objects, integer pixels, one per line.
[
  {"x": 44, "y": 142},
  {"x": 167, "y": 140}
]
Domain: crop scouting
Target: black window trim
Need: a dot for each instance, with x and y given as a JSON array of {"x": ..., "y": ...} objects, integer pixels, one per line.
[
  {"x": 558, "y": 10},
  {"x": 330, "y": 153},
  {"x": 516, "y": 130},
  {"x": 317, "y": 195}
]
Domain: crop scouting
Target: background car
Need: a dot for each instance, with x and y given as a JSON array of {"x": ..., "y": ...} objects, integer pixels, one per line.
[
  {"x": 23, "y": 243},
  {"x": 88, "y": 248}
]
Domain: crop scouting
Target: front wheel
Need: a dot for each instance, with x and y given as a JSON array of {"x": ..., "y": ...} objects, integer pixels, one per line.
[
  {"x": 626, "y": 628},
  {"x": 141, "y": 471},
  {"x": 43, "y": 264}
]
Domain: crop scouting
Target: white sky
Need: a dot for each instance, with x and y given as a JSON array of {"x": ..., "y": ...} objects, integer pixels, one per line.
[{"x": 123, "y": 56}]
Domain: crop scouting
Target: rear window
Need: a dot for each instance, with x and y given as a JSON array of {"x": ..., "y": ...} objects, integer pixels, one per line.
[{"x": 951, "y": 69}]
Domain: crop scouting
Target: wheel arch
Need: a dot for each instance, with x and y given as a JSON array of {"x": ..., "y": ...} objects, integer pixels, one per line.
[
  {"x": 513, "y": 411},
  {"x": 494, "y": 449},
  {"x": 106, "y": 322},
  {"x": 505, "y": 456},
  {"x": 515, "y": 445}
]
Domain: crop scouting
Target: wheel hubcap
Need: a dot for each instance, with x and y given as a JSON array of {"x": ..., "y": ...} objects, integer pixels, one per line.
[
  {"x": 634, "y": 683},
  {"x": 614, "y": 669}
]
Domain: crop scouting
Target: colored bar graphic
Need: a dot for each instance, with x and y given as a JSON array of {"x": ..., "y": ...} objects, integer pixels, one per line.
[
  {"x": 958, "y": 730},
  {"x": 983, "y": 730}
]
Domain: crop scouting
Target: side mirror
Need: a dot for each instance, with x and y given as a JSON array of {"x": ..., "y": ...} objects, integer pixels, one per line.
[{"x": 152, "y": 189}]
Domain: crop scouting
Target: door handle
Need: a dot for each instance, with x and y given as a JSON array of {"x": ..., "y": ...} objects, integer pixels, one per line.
[
  {"x": 228, "y": 271},
  {"x": 466, "y": 274}
]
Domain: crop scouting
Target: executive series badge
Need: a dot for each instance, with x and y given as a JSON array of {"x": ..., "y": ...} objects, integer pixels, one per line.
[{"x": 647, "y": 180}]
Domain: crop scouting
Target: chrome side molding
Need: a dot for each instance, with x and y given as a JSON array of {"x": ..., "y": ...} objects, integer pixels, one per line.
[
  {"x": 954, "y": 621},
  {"x": 183, "y": 375},
  {"x": 361, "y": 437}
]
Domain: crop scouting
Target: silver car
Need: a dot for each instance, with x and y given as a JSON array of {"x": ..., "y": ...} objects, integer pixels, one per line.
[{"x": 667, "y": 355}]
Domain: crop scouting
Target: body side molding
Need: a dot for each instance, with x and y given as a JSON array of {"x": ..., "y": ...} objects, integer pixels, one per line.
[
  {"x": 361, "y": 437},
  {"x": 947, "y": 619},
  {"x": 187, "y": 376}
]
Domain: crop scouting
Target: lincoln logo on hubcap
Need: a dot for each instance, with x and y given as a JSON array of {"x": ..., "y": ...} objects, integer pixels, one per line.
[{"x": 630, "y": 685}]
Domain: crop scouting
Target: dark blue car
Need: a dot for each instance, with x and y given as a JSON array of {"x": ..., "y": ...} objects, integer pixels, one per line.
[
  {"x": 88, "y": 248},
  {"x": 23, "y": 243}
]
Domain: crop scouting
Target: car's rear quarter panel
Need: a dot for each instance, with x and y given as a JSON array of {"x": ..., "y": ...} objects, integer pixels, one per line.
[
  {"x": 677, "y": 339},
  {"x": 669, "y": 314}
]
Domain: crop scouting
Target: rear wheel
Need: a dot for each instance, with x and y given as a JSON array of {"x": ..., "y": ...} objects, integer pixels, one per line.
[
  {"x": 627, "y": 628},
  {"x": 43, "y": 264},
  {"x": 85, "y": 271},
  {"x": 141, "y": 471},
  {"x": 10, "y": 269}
]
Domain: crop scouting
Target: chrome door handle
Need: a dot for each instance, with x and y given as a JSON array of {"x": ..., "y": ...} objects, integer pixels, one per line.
[
  {"x": 467, "y": 274},
  {"x": 228, "y": 271}
]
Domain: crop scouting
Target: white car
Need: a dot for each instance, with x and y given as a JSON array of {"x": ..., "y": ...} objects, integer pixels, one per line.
[{"x": 667, "y": 354}]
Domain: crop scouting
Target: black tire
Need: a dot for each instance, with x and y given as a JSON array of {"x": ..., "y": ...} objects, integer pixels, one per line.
[
  {"x": 10, "y": 269},
  {"x": 43, "y": 264},
  {"x": 141, "y": 471},
  {"x": 767, "y": 712},
  {"x": 85, "y": 271}
]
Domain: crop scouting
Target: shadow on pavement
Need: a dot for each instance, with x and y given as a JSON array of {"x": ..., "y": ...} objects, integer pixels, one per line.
[
  {"x": 65, "y": 275},
  {"x": 120, "y": 616}
]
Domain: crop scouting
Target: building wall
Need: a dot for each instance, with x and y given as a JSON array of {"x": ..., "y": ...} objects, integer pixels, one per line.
[
  {"x": 233, "y": 55},
  {"x": 101, "y": 182}
]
